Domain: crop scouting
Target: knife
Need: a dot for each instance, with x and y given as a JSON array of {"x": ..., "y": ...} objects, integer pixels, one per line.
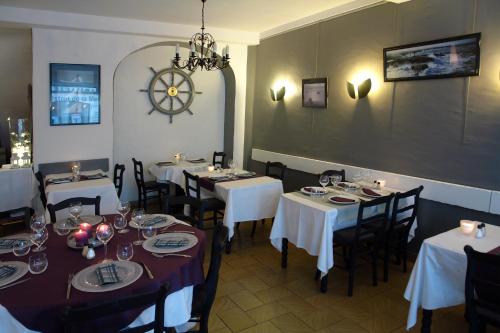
[
  {"x": 14, "y": 283},
  {"x": 148, "y": 271},
  {"x": 68, "y": 288}
]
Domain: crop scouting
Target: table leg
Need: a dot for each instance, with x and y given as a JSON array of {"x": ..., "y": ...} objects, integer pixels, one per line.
[
  {"x": 426, "y": 321},
  {"x": 228, "y": 246},
  {"x": 324, "y": 284},
  {"x": 284, "y": 252}
]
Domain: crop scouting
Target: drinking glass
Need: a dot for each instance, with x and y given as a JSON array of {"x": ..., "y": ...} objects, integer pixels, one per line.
[
  {"x": 138, "y": 218},
  {"x": 38, "y": 263},
  {"x": 39, "y": 237},
  {"x": 120, "y": 223},
  {"x": 335, "y": 179},
  {"x": 231, "y": 164},
  {"x": 22, "y": 248},
  {"x": 37, "y": 222},
  {"x": 62, "y": 228},
  {"x": 357, "y": 177},
  {"x": 123, "y": 208},
  {"x": 75, "y": 209},
  {"x": 324, "y": 180},
  {"x": 124, "y": 251},
  {"x": 104, "y": 233},
  {"x": 148, "y": 232}
]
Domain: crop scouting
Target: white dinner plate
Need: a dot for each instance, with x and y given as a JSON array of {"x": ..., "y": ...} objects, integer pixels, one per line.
[
  {"x": 381, "y": 193},
  {"x": 19, "y": 236},
  {"x": 168, "y": 222},
  {"x": 86, "y": 279},
  {"x": 244, "y": 174},
  {"x": 149, "y": 246},
  {"x": 332, "y": 199},
  {"x": 313, "y": 190},
  {"x": 21, "y": 270},
  {"x": 348, "y": 186}
]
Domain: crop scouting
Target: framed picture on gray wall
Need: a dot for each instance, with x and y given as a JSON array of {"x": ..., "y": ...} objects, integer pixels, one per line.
[
  {"x": 442, "y": 58},
  {"x": 314, "y": 93},
  {"x": 75, "y": 94}
]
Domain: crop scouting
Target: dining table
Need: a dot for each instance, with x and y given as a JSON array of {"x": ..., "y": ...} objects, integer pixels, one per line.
[
  {"x": 309, "y": 221},
  {"x": 59, "y": 187},
  {"x": 17, "y": 189},
  {"x": 37, "y": 304},
  {"x": 438, "y": 276},
  {"x": 170, "y": 171}
]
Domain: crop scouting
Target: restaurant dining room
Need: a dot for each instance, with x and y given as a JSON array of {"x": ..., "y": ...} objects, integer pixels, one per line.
[{"x": 249, "y": 166}]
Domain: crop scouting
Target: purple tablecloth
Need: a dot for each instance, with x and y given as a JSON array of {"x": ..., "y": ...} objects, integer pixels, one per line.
[{"x": 38, "y": 303}]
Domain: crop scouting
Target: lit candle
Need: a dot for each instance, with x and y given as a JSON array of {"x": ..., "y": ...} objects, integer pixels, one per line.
[
  {"x": 87, "y": 227},
  {"x": 80, "y": 237},
  {"x": 211, "y": 168},
  {"x": 227, "y": 51},
  {"x": 467, "y": 226}
]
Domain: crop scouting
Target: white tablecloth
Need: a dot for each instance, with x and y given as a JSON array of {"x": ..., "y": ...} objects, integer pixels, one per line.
[
  {"x": 438, "y": 277},
  {"x": 309, "y": 223},
  {"x": 246, "y": 199},
  {"x": 174, "y": 173},
  {"x": 17, "y": 188},
  {"x": 87, "y": 188}
]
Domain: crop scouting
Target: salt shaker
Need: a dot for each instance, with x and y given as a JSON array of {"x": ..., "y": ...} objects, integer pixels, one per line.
[
  {"x": 481, "y": 231},
  {"x": 90, "y": 253}
]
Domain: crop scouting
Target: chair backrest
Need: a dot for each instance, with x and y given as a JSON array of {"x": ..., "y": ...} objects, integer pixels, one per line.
[
  {"x": 41, "y": 188},
  {"x": 75, "y": 317},
  {"x": 334, "y": 173},
  {"x": 118, "y": 178},
  {"x": 482, "y": 280},
  {"x": 378, "y": 221},
  {"x": 138, "y": 174},
  {"x": 219, "y": 159},
  {"x": 96, "y": 202},
  {"x": 401, "y": 214},
  {"x": 192, "y": 188},
  {"x": 275, "y": 170}
]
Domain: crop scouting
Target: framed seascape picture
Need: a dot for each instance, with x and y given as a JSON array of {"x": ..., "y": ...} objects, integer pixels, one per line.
[
  {"x": 75, "y": 94},
  {"x": 442, "y": 58},
  {"x": 314, "y": 93}
]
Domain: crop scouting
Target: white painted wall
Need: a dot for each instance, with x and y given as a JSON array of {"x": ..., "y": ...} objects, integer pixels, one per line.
[{"x": 151, "y": 138}]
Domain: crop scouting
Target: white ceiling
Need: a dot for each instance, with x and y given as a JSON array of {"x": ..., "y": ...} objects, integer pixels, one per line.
[{"x": 247, "y": 15}]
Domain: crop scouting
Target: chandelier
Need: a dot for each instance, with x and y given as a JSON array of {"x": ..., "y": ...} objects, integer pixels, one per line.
[{"x": 206, "y": 56}]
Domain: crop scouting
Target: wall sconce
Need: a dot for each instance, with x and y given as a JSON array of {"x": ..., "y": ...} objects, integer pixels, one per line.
[
  {"x": 359, "y": 90},
  {"x": 277, "y": 94}
]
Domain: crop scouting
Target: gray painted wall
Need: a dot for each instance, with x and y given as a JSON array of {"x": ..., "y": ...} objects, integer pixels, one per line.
[{"x": 444, "y": 129}]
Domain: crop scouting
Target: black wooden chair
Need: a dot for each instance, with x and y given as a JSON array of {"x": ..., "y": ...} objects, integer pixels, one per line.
[
  {"x": 75, "y": 317},
  {"x": 118, "y": 178},
  {"x": 275, "y": 170},
  {"x": 330, "y": 173},
  {"x": 147, "y": 190},
  {"x": 204, "y": 294},
  {"x": 366, "y": 238},
  {"x": 12, "y": 225},
  {"x": 482, "y": 290},
  {"x": 53, "y": 208},
  {"x": 219, "y": 159},
  {"x": 41, "y": 188},
  {"x": 198, "y": 205},
  {"x": 396, "y": 241}
]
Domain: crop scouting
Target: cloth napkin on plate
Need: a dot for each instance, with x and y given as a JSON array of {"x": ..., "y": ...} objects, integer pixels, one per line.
[
  {"x": 6, "y": 271},
  {"x": 95, "y": 176},
  {"x": 370, "y": 192},
  {"x": 342, "y": 199},
  {"x": 170, "y": 243},
  {"x": 60, "y": 180},
  {"x": 8, "y": 243},
  {"x": 154, "y": 220},
  {"x": 107, "y": 274},
  {"x": 313, "y": 190},
  {"x": 166, "y": 163},
  {"x": 199, "y": 160}
]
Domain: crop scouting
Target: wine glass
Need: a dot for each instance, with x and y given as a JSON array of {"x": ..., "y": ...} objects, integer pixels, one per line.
[
  {"x": 324, "y": 180},
  {"x": 38, "y": 237},
  {"x": 37, "y": 222},
  {"x": 123, "y": 208},
  {"x": 231, "y": 165},
  {"x": 75, "y": 209},
  {"x": 38, "y": 263},
  {"x": 148, "y": 231},
  {"x": 120, "y": 223},
  {"x": 62, "y": 228},
  {"x": 335, "y": 179},
  {"x": 138, "y": 218},
  {"x": 21, "y": 248},
  {"x": 104, "y": 233},
  {"x": 124, "y": 251}
]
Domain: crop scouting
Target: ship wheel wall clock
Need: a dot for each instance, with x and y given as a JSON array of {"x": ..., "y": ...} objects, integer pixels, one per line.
[{"x": 171, "y": 91}]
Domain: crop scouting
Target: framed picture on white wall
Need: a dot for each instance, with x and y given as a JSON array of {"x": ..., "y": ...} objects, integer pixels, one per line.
[{"x": 75, "y": 94}]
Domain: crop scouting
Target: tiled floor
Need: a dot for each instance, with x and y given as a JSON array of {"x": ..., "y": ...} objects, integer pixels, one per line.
[{"x": 256, "y": 295}]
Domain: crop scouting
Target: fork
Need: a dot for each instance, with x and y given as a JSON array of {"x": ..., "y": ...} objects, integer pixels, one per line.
[
  {"x": 170, "y": 255},
  {"x": 68, "y": 288}
]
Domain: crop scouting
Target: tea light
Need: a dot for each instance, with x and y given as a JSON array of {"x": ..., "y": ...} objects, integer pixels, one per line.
[
  {"x": 87, "y": 227},
  {"x": 211, "y": 168},
  {"x": 467, "y": 226},
  {"x": 80, "y": 237}
]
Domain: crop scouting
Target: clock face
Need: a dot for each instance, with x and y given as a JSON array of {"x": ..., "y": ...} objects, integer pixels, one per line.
[{"x": 171, "y": 91}]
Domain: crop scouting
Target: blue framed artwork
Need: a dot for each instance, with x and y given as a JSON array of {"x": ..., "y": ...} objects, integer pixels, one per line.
[{"x": 75, "y": 94}]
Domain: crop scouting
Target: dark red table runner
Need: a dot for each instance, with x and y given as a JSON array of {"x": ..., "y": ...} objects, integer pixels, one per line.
[
  {"x": 496, "y": 251},
  {"x": 209, "y": 184},
  {"x": 82, "y": 179},
  {"x": 38, "y": 303}
]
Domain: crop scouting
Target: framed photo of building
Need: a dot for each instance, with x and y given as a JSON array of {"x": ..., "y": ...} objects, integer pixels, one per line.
[
  {"x": 314, "y": 93},
  {"x": 442, "y": 58},
  {"x": 75, "y": 94}
]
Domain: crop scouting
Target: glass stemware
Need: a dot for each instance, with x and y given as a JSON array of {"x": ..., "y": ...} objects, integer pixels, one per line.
[
  {"x": 37, "y": 222},
  {"x": 149, "y": 232},
  {"x": 104, "y": 233},
  {"x": 335, "y": 179},
  {"x": 124, "y": 251},
  {"x": 138, "y": 218},
  {"x": 21, "y": 248},
  {"x": 232, "y": 165},
  {"x": 120, "y": 223},
  {"x": 75, "y": 209},
  {"x": 324, "y": 180},
  {"x": 38, "y": 263},
  {"x": 123, "y": 209},
  {"x": 38, "y": 237}
]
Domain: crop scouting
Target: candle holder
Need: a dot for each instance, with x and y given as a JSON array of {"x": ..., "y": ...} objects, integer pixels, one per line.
[
  {"x": 467, "y": 226},
  {"x": 20, "y": 143}
]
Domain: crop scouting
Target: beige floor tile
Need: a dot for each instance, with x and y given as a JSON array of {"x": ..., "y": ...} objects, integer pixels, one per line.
[
  {"x": 253, "y": 284},
  {"x": 344, "y": 326},
  {"x": 236, "y": 319},
  {"x": 267, "y": 312},
  {"x": 266, "y": 327},
  {"x": 290, "y": 323},
  {"x": 320, "y": 318},
  {"x": 245, "y": 300},
  {"x": 273, "y": 294}
]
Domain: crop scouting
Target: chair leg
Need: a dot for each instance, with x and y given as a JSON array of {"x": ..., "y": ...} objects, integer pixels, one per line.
[
  {"x": 405, "y": 257},
  {"x": 139, "y": 199},
  {"x": 254, "y": 225},
  {"x": 201, "y": 214},
  {"x": 352, "y": 267},
  {"x": 237, "y": 225},
  {"x": 387, "y": 255},
  {"x": 263, "y": 221},
  {"x": 160, "y": 197},
  {"x": 317, "y": 275},
  {"x": 374, "y": 266}
]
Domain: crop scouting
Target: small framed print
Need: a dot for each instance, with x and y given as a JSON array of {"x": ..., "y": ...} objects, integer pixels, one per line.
[{"x": 314, "y": 93}]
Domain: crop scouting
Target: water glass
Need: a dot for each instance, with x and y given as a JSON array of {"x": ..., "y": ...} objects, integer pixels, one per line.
[
  {"x": 232, "y": 165},
  {"x": 324, "y": 180},
  {"x": 123, "y": 208},
  {"x": 124, "y": 251},
  {"x": 22, "y": 248},
  {"x": 38, "y": 238},
  {"x": 104, "y": 233},
  {"x": 75, "y": 209},
  {"x": 38, "y": 263},
  {"x": 335, "y": 179},
  {"x": 149, "y": 232},
  {"x": 120, "y": 223},
  {"x": 138, "y": 218},
  {"x": 37, "y": 222},
  {"x": 62, "y": 228}
]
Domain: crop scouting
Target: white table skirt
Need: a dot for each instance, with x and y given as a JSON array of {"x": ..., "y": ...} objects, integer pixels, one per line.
[
  {"x": 17, "y": 188},
  {"x": 246, "y": 199},
  {"x": 104, "y": 187},
  {"x": 174, "y": 173},
  {"x": 177, "y": 313},
  {"x": 309, "y": 223},
  {"x": 438, "y": 277}
]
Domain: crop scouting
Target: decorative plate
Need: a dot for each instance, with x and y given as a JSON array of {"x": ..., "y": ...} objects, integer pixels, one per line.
[
  {"x": 20, "y": 267},
  {"x": 185, "y": 240},
  {"x": 86, "y": 279},
  {"x": 313, "y": 190}
]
